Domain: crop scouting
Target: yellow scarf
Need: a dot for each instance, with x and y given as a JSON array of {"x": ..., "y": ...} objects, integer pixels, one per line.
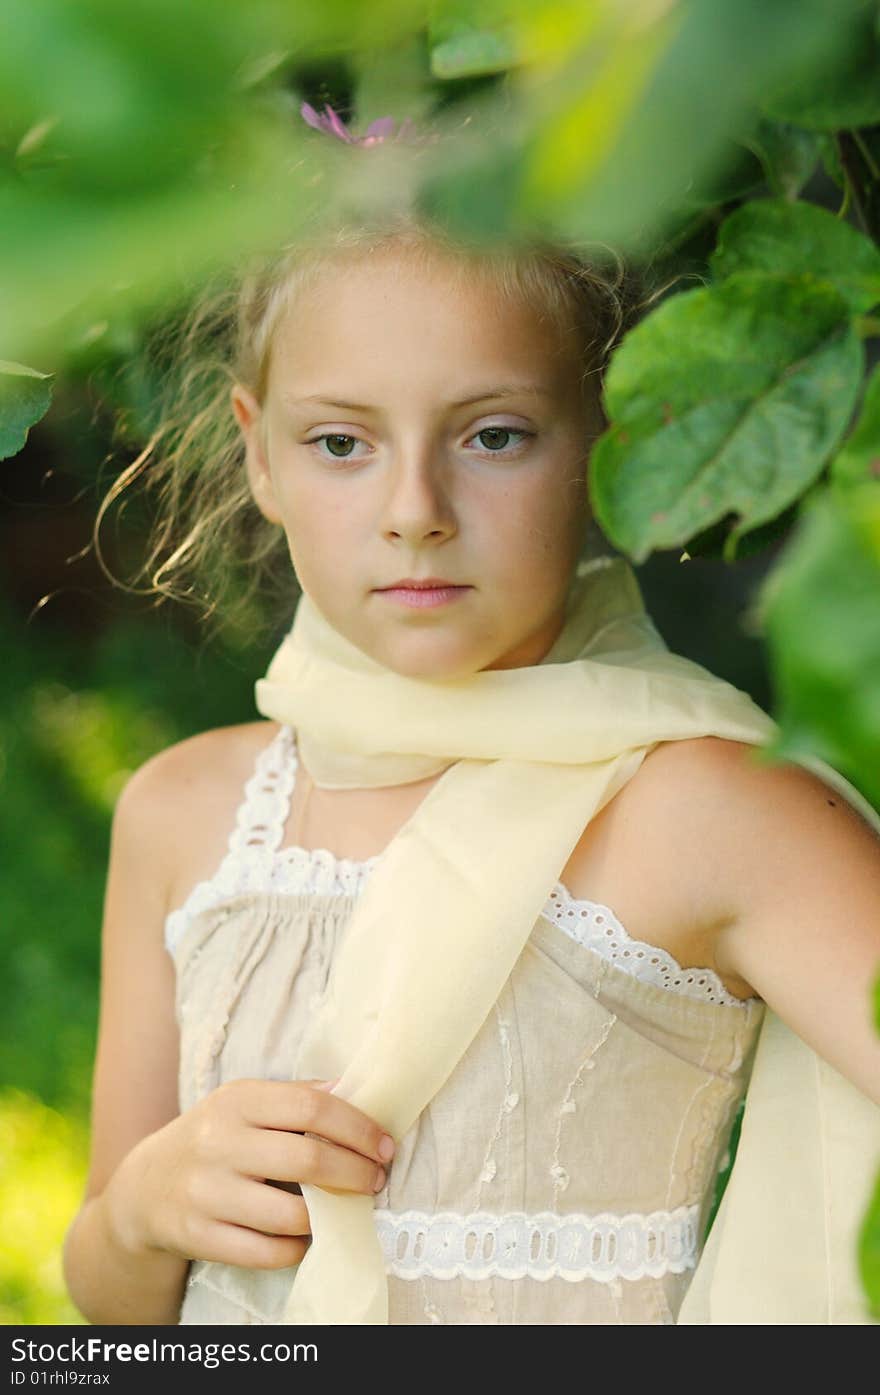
[{"x": 463, "y": 883}]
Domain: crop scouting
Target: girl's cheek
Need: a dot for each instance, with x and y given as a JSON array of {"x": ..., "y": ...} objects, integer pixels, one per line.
[{"x": 541, "y": 509}]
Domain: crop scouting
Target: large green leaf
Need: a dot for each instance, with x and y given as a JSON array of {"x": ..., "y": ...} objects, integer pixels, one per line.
[
  {"x": 820, "y": 609},
  {"x": 62, "y": 253},
  {"x": 776, "y": 236},
  {"x": 724, "y": 399},
  {"x": 138, "y": 91},
  {"x": 24, "y": 398},
  {"x": 859, "y": 459},
  {"x": 848, "y": 94}
]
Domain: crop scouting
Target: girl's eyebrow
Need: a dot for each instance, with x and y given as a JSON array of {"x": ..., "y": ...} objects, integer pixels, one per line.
[{"x": 484, "y": 394}]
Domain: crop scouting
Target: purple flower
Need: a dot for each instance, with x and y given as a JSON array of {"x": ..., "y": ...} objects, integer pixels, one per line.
[{"x": 377, "y": 131}]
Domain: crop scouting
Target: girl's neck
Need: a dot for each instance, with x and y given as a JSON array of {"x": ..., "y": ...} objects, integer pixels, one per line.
[{"x": 353, "y": 824}]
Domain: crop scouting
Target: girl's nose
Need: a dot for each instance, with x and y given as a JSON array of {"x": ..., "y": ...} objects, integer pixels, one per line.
[{"x": 417, "y": 505}]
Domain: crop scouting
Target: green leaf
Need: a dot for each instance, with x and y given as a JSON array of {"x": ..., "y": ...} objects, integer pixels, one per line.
[
  {"x": 724, "y": 399},
  {"x": 25, "y": 394},
  {"x": 737, "y": 173},
  {"x": 788, "y": 154},
  {"x": 471, "y": 53},
  {"x": 820, "y": 610},
  {"x": 21, "y": 369},
  {"x": 138, "y": 91},
  {"x": 869, "y": 1253},
  {"x": 859, "y": 460},
  {"x": 830, "y": 157},
  {"x": 801, "y": 239},
  {"x": 62, "y": 254},
  {"x": 847, "y": 95},
  {"x": 472, "y": 38}
]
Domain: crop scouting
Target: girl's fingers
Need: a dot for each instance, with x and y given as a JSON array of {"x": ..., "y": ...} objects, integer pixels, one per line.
[
  {"x": 299, "y": 1107},
  {"x": 224, "y": 1243},
  {"x": 290, "y": 1157},
  {"x": 269, "y": 1210}
]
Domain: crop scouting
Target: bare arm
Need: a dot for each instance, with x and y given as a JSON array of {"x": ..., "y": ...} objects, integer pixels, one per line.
[
  {"x": 110, "y": 1283},
  {"x": 804, "y": 873},
  {"x": 111, "y": 1278}
]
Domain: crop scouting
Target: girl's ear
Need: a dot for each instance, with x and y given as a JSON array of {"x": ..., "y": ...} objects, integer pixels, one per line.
[{"x": 249, "y": 415}]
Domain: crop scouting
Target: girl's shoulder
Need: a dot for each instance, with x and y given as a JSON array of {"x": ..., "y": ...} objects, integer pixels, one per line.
[
  {"x": 712, "y": 795},
  {"x": 182, "y": 801},
  {"x": 190, "y": 774},
  {"x": 701, "y": 834},
  {"x": 722, "y": 816},
  {"x": 727, "y": 794}
]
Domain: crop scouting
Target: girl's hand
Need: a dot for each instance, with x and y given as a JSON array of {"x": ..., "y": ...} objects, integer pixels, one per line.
[{"x": 211, "y": 1183}]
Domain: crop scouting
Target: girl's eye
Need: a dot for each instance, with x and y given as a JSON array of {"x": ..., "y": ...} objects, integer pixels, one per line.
[
  {"x": 496, "y": 437},
  {"x": 337, "y": 444}
]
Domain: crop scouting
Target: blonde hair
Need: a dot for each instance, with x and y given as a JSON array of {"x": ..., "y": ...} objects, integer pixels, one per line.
[{"x": 209, "y": 544}]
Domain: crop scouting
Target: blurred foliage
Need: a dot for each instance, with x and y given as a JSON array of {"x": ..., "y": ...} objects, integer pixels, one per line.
[
  {"x": 42, "y": 1175},
  {"x": 730, "y": 148},
  {"x": 822, "y": 613},
  {"x": 869, "y": 1235},
  {"x": 188, "y": 152},
  {"x": 75, "y": 722},
  {"x": 858, "y": 461},
  {"x": 869, "y": 1252},
  {"x": 131, "y": 694}
]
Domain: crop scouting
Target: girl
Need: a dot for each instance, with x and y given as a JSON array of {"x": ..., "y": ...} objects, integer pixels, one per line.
[{"x": 456, "y": 1029}]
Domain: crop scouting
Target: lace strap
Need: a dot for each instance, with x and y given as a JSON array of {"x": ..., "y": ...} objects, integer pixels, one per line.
[{"x": 262, "y": 814}]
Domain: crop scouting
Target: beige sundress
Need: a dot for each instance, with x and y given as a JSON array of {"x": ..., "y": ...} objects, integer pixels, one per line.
[{"x": 565, "y": 1171}]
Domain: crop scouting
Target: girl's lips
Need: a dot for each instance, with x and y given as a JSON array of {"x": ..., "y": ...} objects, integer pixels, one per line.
[{"x": 424, "y": 597}]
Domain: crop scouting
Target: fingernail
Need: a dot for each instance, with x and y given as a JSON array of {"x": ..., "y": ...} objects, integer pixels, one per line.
[
  {"x": 380, "y": 1180},
  {"x": 386, "y": 1147},
  {"x": 328, "y": 1084}
]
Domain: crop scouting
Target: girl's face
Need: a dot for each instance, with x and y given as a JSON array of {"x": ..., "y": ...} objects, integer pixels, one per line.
[{"x": 418, "y": 425}]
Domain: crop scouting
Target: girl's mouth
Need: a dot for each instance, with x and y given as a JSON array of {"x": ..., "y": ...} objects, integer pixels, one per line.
[{"x": 424, "y": 597}]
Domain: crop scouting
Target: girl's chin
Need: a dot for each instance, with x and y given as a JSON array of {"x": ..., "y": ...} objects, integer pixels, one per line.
[{"x": 434, "y": 656}]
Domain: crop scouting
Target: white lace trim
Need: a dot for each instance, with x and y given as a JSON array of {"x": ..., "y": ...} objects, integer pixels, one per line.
[
  {"x": 260, "y": 817},
  {"x": 254, "y": 862},
  {"x": 596, "y": 927},
  {"x": 542, "y": 1246}
]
